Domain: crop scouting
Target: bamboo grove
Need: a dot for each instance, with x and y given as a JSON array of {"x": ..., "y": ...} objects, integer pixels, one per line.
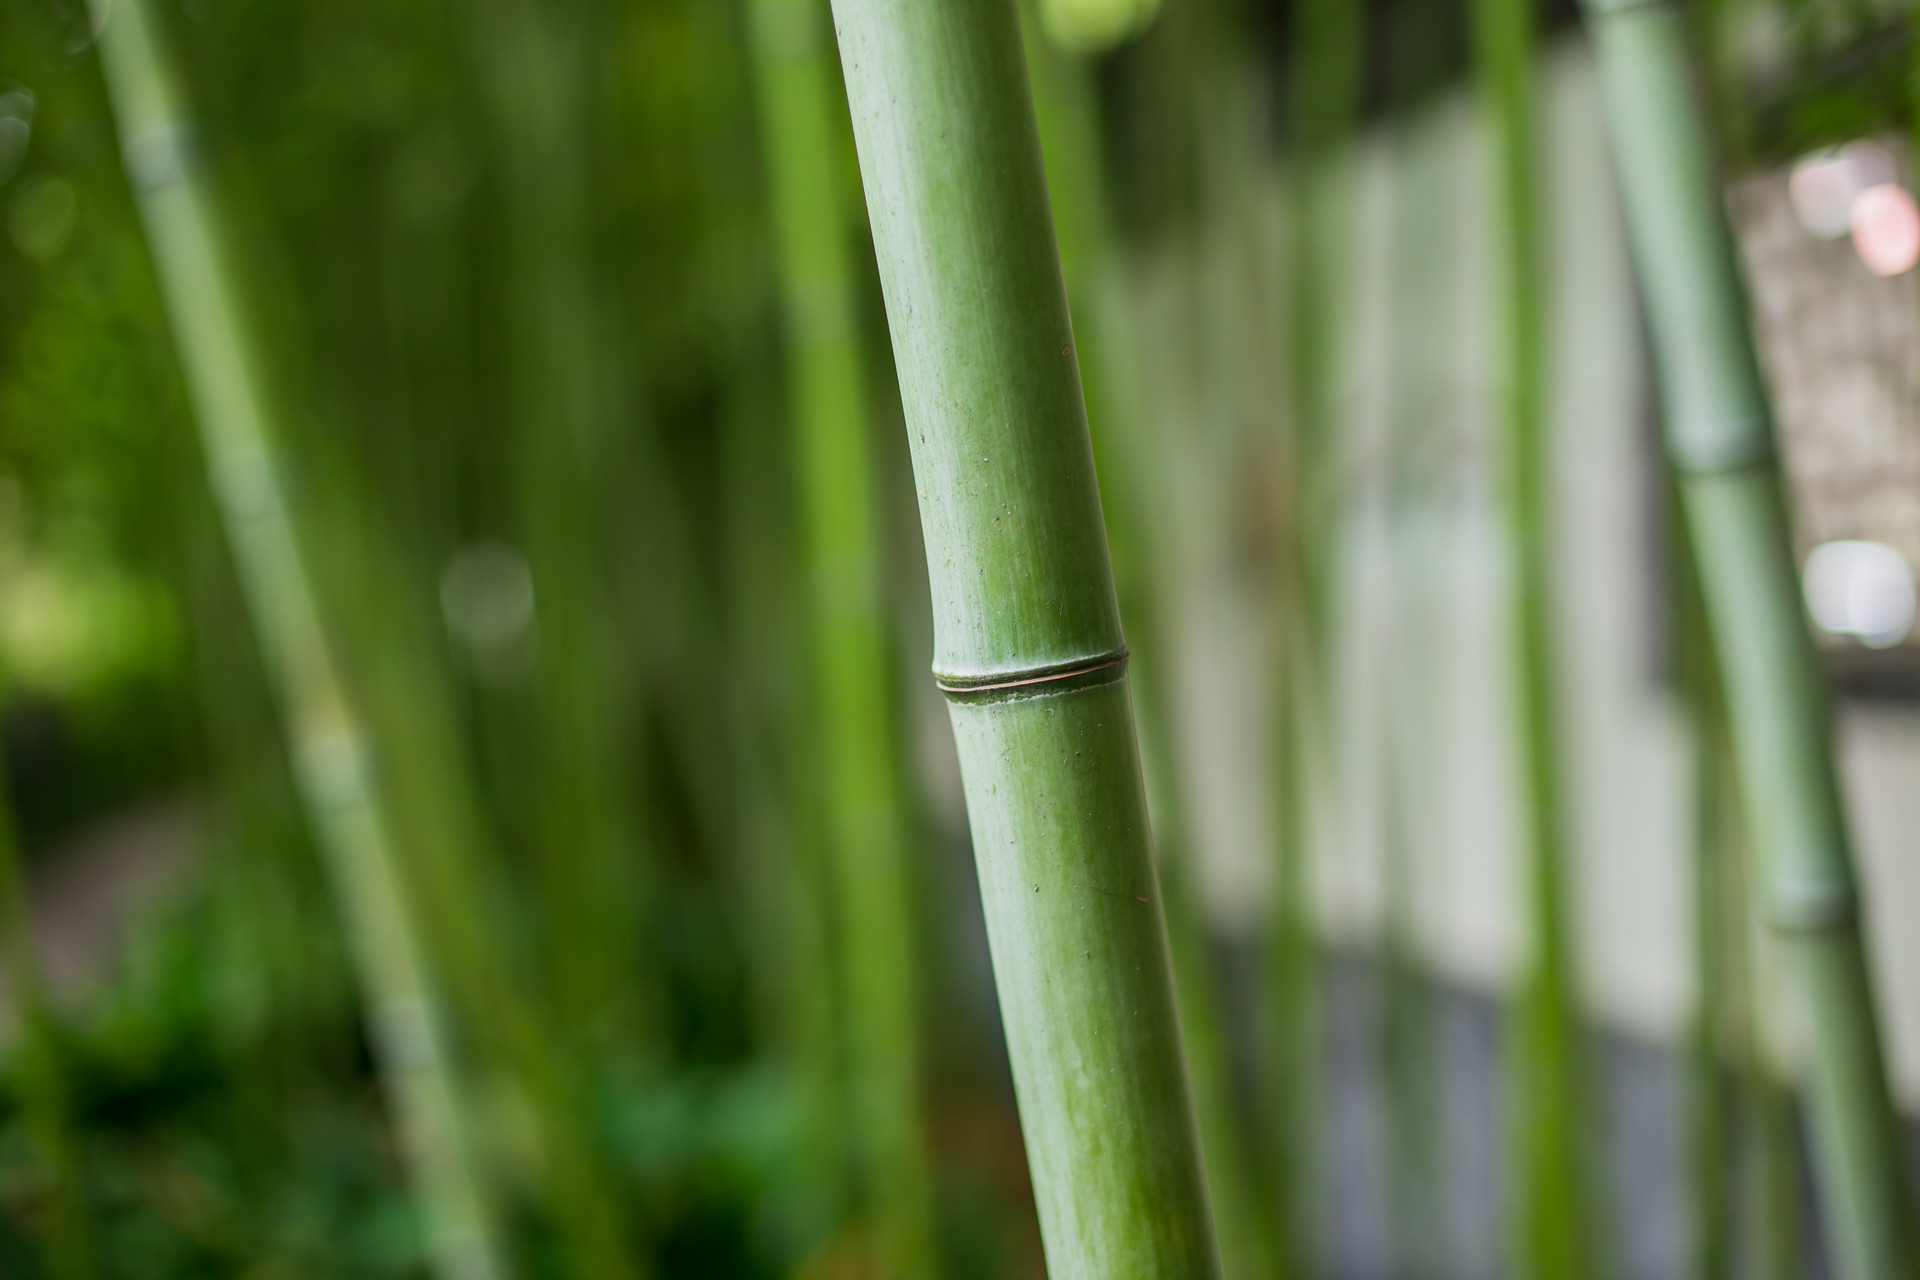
[{"x": 909, "y": 639}]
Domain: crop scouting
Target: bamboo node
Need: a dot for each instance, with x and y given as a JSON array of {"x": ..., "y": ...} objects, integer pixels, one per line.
[
  {"x": 1811, "y": 908},
  {"x": 1008, "y": 682}
]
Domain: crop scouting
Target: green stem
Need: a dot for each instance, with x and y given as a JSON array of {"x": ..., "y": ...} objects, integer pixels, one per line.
[
  {"x": 866, "y": 863},
  {"x": 1323, "y": 99},
  {"x": 1719, "y": 441},
  {"x": 329, "y": 750},
  {"x": 566, "y": 414},
  {"x": 1028, "y": 641},
  {"x": 1555, "y": 1236},
  {"x": 43, "y": 1083},
  {"x": 1069, "y": 137}
]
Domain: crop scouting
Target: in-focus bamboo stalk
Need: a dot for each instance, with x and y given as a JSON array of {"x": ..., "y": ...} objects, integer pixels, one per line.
[
  {"x": 1028, "y": 643},
  {"x": 37, "y": 1067},
  {"x": 1066, "y": 112},
  {"x": 864, "y": 827},
  {"x": 1719, "y": 442},
  {"x": 1555, "y": 1236},
  {"x": 350, "y": 823}
]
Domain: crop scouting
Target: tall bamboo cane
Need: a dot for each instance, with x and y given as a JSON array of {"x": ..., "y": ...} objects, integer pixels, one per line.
[
  {"x": 566, "y": 417},
  {"x": 1554, "y": 1236},
  {"x": 325, "y": 739},
  {"x": 42, "y": 1079},
  {"x": 867, "y": 867},
  {"x": 1028, "y": 644},
  {"x": 1067, "y": 116},
  {"x": 1719, "y": 441},
  {"x": 1323, "y": 99}
]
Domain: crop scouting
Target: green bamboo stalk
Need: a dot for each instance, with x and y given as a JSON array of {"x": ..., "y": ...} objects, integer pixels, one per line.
[
  {"x": 566, "y": 415},
  {"x": 1028, "y": 643},
  {"x": 1323, "y": 98},
  {"x": 1719, "y": 1039},
  {"x": 1555, "y": 1236},
  {"x": 1421, "y": 274},
  {"x": 776, "y": 852},
  {"x": 865, "y": 830},
  {"x": 1067, "y": 118},
  {"x": 325, "y": 740},
  {"x": 37, "y": 1066},
  {"x": 1719, "y": 442},
  {"x": 1324, "y": 102}
]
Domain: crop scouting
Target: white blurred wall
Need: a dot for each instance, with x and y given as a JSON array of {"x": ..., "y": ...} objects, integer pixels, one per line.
[{"x": 1416, "y": 799}]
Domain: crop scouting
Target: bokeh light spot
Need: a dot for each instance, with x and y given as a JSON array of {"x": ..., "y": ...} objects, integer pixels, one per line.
[
  {"x": 1861, "y": 589},
  {"x": 1886, "y": 229}
]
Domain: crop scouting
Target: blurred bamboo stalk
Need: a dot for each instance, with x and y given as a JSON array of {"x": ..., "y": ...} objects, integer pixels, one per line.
[
  {"x": 1323, "y": 104},
  {"x": 1719, "y": 442},
  {"x": 566, "y": 416},
  {"x": 864, "y": 826},
  {"x": 350, "y": 822},
  {"x": 1066, "y": 113},
  {"x": 42, "y": 1076},
  {"x": 1412, "y": 708},
  {"x": 1027, "y": 632},
  {"x": 1556, "y": 1234},
  {"x": 1719, "y": 942}
]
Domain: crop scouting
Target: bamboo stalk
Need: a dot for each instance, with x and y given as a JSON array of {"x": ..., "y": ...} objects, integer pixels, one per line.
[
  {"x": 325, "y": 740},
  {"x": 1419, "y": 275},
  {"x": 42, "y": 1078},
  {"x": 1067, "y": 119},
  {"x": 865, "y": 829},
  {"x": 565, "y": 414},
  {"x": 1555, "y": 1235},
  {"x": 1719, "y": 442},
  {"x": 1028, "y": 643},
  {"x": 1323, "y": 98}
]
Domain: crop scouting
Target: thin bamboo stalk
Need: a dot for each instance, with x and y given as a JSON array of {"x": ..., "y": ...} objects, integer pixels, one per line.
[
  {"x": 324, "y": 736},
  {"x": 776, "y": 863},
  {"x": 42, "y": 1077},
  {"x": 865, "y": 829},
  {"x": 1028, "y": 643},
  {"x": 1323, "y": 98},
  {"x": 1719, "y": 442},
  {"x": 1554, "y": 1233},
  {"x": 1419, "y": 275},
  {"x": 565, "y": 417}
]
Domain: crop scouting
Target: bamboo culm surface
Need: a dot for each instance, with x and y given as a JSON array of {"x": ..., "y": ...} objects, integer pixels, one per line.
[
  {"x": 864, "y": 827},
  {"x": 1719, "y": 442},
  {"x": 1066, "y": 108},
  {"x": 326, "y": 743},
  {"x": 1028, "y": 642}
]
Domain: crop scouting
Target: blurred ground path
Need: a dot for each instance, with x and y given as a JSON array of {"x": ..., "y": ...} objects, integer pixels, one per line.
[{"x": 86, "y": 894}]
